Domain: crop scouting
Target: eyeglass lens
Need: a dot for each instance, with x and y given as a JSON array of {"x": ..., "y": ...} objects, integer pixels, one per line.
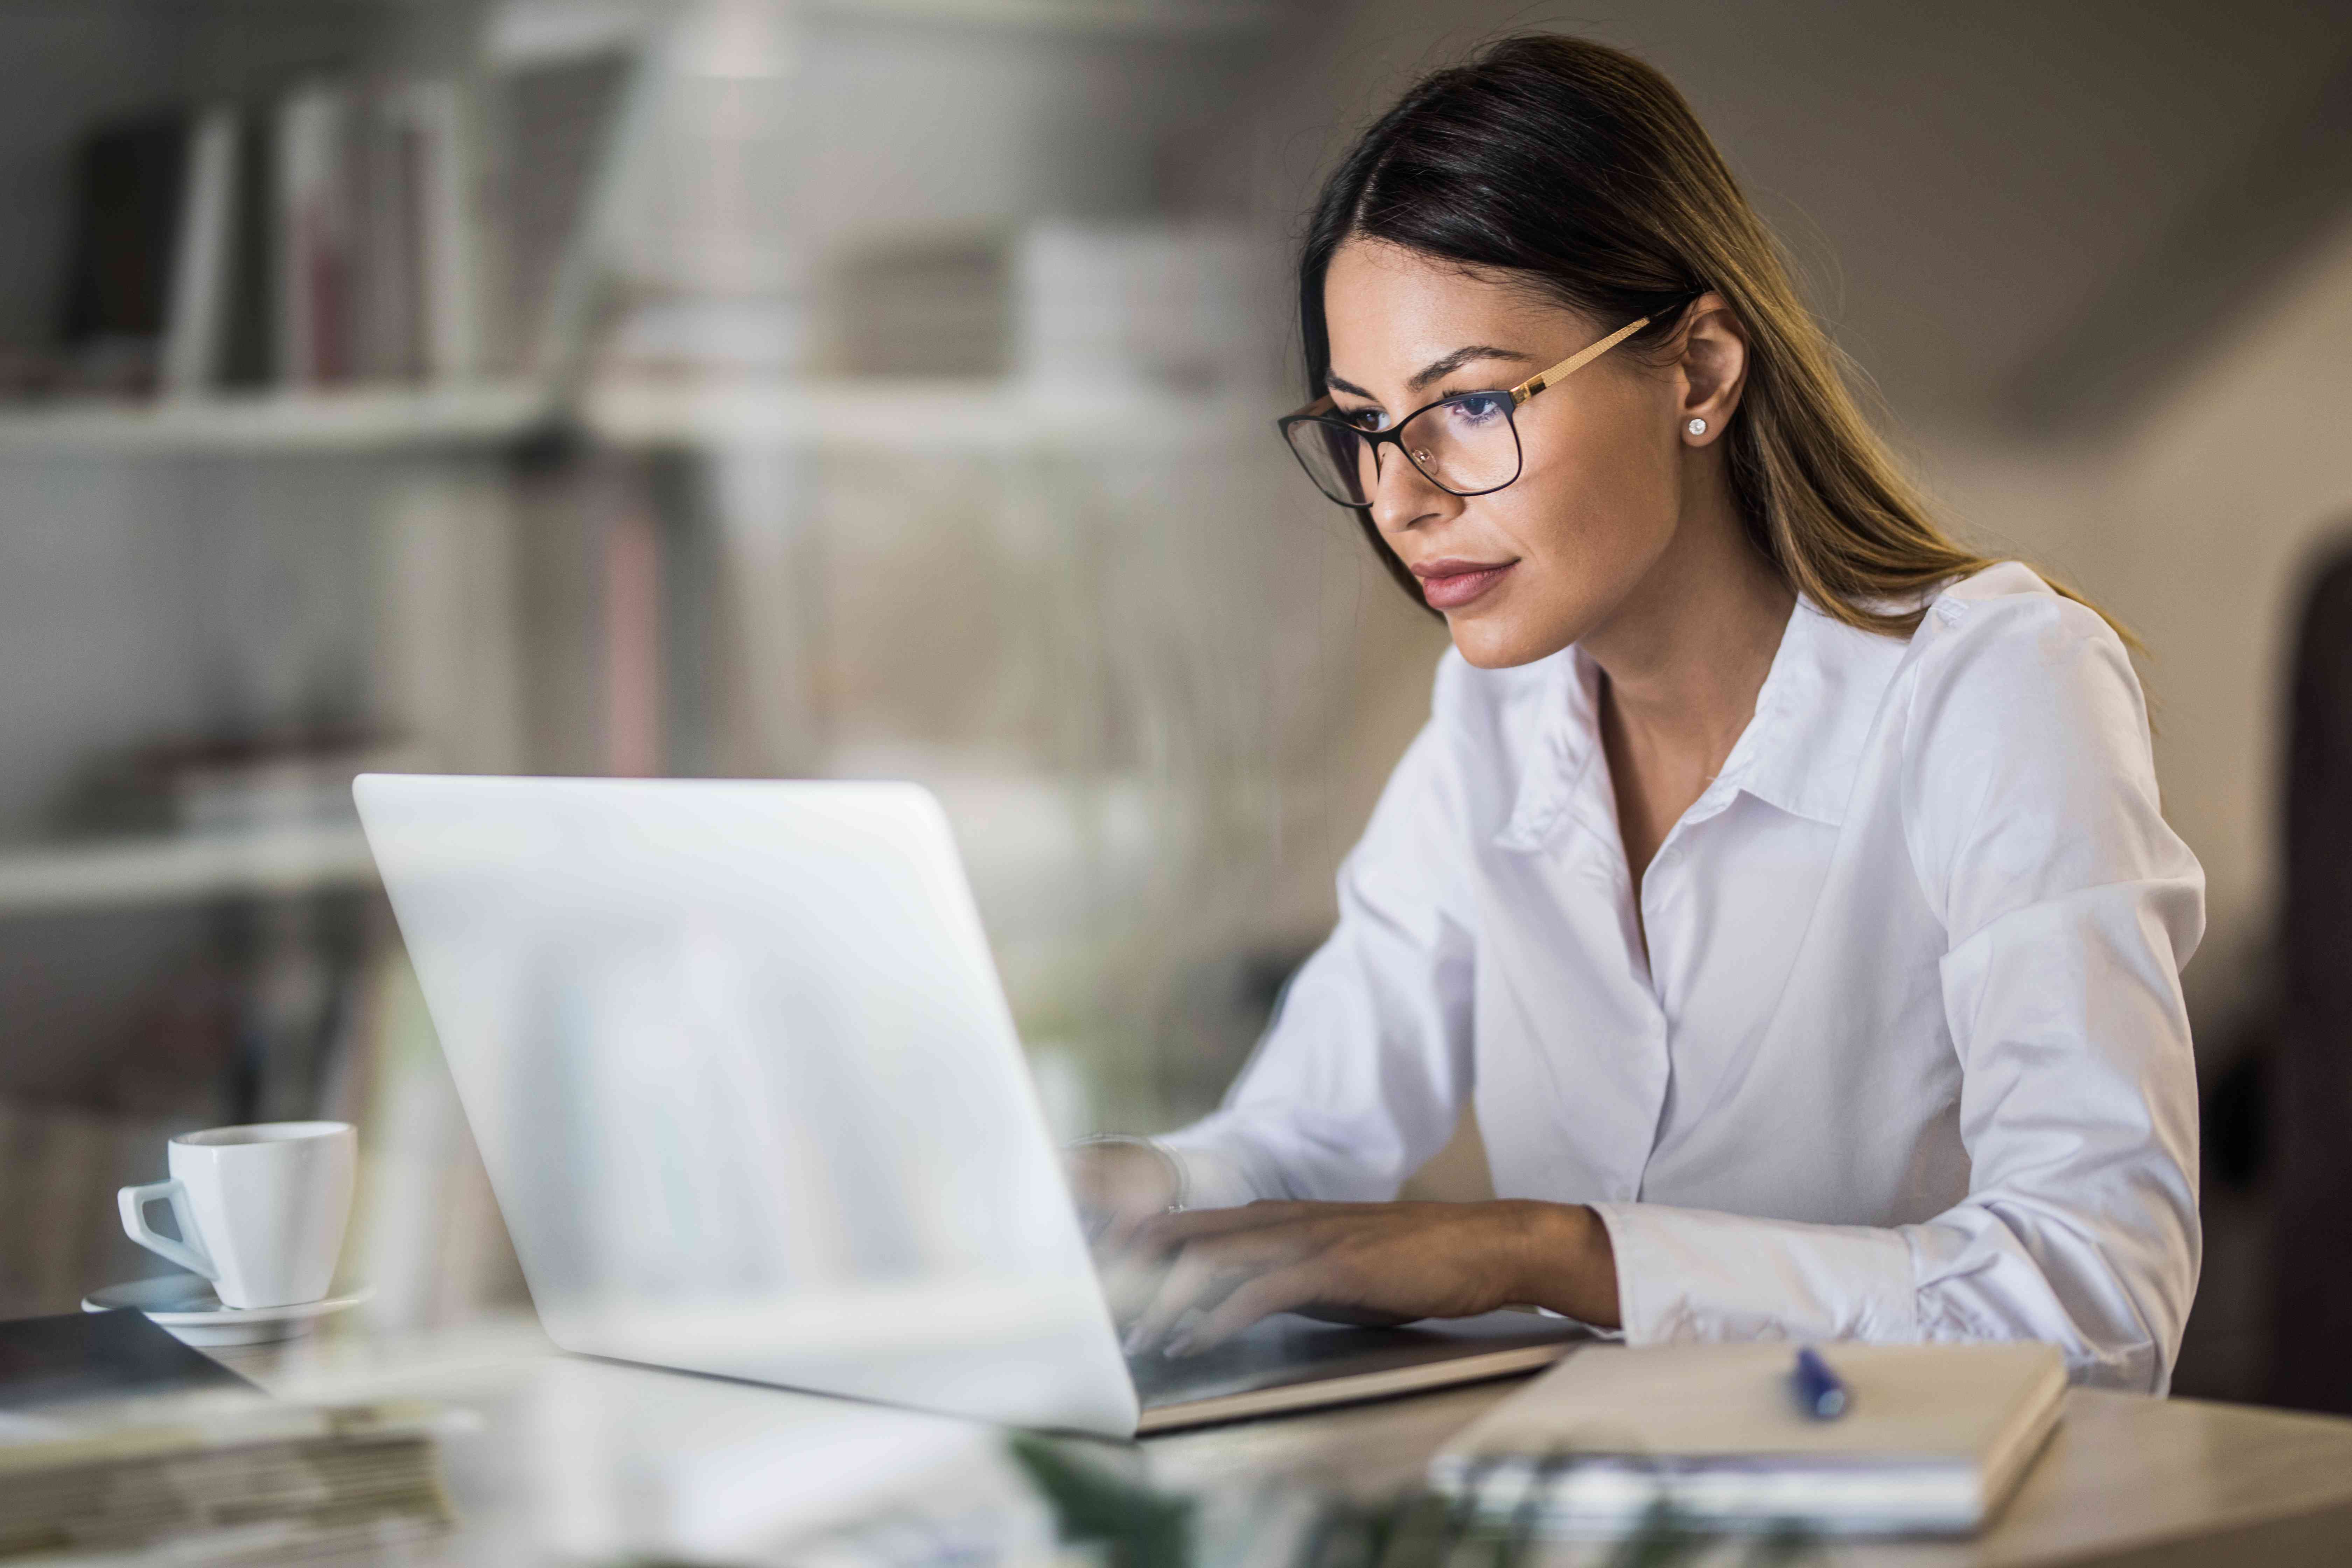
[{"x": 1464, "y": 445}]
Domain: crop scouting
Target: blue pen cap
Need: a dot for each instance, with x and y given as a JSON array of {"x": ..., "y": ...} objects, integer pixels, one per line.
[{"x": 1820, "y": 1390}]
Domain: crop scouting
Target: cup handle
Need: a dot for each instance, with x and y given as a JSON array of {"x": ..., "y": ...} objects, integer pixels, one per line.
[{"x": 189, "y": 1254}]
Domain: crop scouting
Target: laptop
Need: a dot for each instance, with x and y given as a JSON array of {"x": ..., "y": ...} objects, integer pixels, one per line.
[{"x": 750, "y": 1099}]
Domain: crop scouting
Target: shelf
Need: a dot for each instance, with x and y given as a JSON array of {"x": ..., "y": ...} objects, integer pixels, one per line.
[
  {"x": 359, "y": 419},
  {"x": 123, "y": 873},
  {"x": 913, "y": 417}
]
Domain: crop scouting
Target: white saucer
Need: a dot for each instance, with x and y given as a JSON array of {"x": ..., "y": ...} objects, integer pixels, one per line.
[{"x": 185, "y": 1305}]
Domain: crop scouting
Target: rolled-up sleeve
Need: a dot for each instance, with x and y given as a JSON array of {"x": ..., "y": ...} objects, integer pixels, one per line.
[
  {"x": 2033, "y": 828},
  {"x": 1362, "y": 1075}
]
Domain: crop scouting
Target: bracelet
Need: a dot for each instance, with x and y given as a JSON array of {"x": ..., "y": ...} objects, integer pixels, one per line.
[{"x": 1179, "y": 1178}]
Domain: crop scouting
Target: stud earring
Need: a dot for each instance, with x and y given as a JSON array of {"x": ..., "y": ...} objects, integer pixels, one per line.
[{"x": 1698, "y": 426}]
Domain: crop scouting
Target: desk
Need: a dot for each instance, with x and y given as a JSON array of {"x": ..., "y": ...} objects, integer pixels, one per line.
[{"x": 573, "y": 1459}]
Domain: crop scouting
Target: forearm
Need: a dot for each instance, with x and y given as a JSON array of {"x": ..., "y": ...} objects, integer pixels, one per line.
[{"x": 1561, "y": 1259}]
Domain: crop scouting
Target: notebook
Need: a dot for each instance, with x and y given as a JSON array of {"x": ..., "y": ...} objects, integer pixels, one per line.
[{"x": 1934, "y": 1441}]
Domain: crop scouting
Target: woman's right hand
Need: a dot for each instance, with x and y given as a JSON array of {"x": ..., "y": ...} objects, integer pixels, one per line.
[{"x": 1118, "y": 1185}]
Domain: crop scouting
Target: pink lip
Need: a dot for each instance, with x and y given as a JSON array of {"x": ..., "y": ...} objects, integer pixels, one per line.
[{"x": 1450, "y": 585}]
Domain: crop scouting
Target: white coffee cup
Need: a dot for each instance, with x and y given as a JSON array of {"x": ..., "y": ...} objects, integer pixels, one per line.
[{"x": 261, "y": 1208}]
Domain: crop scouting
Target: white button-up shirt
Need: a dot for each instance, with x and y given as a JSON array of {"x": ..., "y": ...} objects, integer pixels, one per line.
[{"x": 1907, "y": 1058}]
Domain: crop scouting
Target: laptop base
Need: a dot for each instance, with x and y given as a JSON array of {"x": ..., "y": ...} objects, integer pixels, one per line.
[{"x": 1289, "y": 1364}]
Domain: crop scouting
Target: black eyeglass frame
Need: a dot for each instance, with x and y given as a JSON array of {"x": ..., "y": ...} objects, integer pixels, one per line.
[{"x": 1319, "y": 413}]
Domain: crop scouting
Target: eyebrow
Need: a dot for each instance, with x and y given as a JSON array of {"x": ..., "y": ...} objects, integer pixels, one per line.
[{"x": 1438, "y": 370}]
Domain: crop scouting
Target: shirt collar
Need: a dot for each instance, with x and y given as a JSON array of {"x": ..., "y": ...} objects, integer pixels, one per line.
[
  {"x": 1800, "y": 753},
  {"x": 1813, "y": 715},
  {"x": 1567, "y": 741}
]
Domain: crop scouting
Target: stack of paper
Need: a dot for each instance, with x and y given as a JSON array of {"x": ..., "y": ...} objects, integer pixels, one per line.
[
  {"x": 1934, "y": 1439},
  {"x": 215, "y": 1475}
]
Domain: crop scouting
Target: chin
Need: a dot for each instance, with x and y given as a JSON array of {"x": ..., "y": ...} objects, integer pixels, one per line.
[
  {"x": 1522, "y": 621},
  {"x": 1499, "y": 642}
]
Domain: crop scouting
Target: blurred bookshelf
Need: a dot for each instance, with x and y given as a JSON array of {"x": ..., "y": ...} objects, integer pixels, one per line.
[
  {"x": 557, "y": 397},
  {"x": 357, "y": 419},
  {"x": 273, "y": 363},
  {"x": 874, "y": 414},
  {"x": 883, "y": 414}
]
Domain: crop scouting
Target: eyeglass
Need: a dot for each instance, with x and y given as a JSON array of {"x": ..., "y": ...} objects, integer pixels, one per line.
[{"x": 1465, "y": 445}]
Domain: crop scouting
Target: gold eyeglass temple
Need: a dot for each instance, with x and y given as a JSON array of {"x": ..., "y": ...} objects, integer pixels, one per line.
[{"x": 1574, "y": 363}]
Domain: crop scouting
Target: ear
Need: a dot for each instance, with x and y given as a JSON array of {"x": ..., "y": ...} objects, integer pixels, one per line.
[{"x": 1712, "y": 368}]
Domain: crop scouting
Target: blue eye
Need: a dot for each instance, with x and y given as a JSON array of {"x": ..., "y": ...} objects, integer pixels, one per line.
[{"x": 1476, "y": 409}]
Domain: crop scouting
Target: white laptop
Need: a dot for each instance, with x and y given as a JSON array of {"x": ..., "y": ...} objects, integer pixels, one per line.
[{"x": 751, "y": 1099}]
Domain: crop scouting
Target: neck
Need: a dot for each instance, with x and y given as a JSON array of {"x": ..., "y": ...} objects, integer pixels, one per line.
[{"x": 1685, "y": 655}]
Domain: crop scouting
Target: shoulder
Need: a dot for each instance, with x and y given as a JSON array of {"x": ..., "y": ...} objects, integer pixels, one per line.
[
  {"x": 2027, "y": 765},
  {"x": 2002, "y": 660},
  {"x": 2010, "y": 599}
]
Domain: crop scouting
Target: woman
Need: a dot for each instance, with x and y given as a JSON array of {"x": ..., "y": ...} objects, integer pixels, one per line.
[{"x": 1783, "y": 883}]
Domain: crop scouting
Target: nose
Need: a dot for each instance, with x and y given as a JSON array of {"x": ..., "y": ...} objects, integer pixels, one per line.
[{"x": 1403, "y": 498}]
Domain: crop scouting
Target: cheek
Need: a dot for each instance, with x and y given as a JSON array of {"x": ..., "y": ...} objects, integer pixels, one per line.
[
  {"x": 1587, "y": 527},
  {"x": 1597, "y": 514}
]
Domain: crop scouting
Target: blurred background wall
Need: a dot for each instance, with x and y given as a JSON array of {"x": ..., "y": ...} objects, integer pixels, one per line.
[{"x": 858, "y": 387}]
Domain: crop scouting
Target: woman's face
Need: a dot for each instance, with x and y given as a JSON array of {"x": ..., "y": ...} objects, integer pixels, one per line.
[{"x": 1523, "y": 572}]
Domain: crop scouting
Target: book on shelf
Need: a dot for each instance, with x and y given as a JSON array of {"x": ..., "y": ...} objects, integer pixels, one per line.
[
  {"x": 129, "y": 178},
  {"x": 248, "y": 275},
  {"x": 380, "y": 225},
  {"x": 445, "y": 236},
  {"x": 318, "y": 226},
  {"x": 346, "y": 230},
  {"x": 195, "y": 318},
  {"x": 389, "y": 336}
]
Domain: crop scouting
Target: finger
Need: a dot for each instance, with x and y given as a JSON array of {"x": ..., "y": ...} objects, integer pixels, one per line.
[
  {"x": 1171, "y": 1231},
  {"x": 1284, "y": 1290},
  {"x": 1129, "y": 1282},
  {"x": 1193, "y": 1273},
  {"x": 1204, "y": 1274}
]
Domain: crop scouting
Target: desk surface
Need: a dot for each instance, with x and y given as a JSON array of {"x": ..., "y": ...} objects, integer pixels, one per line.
[{"x": 574, "y": 1458}]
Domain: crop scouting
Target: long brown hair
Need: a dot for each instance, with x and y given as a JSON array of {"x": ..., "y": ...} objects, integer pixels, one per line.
[{"x": 1576, "y": 168}]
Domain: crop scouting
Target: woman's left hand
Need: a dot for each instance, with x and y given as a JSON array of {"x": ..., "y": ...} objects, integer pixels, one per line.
[{"x": 1361, "y": 1263}]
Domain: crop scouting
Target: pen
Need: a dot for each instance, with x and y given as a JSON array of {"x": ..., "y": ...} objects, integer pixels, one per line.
[{"x": 1821, "y": 1390}]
